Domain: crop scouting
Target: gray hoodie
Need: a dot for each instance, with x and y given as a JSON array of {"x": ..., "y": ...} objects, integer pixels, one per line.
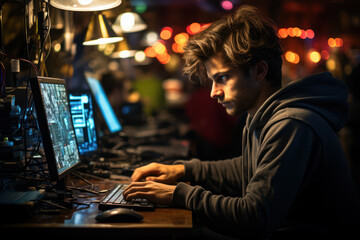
[{"x": 292, "y": 175}]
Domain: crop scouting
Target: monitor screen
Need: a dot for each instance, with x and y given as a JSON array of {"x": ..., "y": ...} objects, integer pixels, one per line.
[
  {"x": 102, "y": 101},
  {"x": 84, "y": 122},
  {"x": 57, "y": 131}
]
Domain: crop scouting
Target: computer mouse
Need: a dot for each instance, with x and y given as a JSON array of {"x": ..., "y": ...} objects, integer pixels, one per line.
[{"x": 119, "y": 215}]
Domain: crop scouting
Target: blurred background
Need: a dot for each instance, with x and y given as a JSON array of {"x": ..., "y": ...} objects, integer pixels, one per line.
[{"x": 146, "y": 65}]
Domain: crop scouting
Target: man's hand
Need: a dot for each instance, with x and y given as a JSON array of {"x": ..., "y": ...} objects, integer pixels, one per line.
[
  {"x": 153, "y": 191},
  {"x": 168, "y": 174}
]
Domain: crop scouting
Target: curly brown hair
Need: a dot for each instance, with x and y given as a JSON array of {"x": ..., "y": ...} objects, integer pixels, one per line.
[{"x": 244, "y": 38}]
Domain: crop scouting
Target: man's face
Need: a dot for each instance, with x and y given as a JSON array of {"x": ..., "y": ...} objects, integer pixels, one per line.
[{"x": 236, "y": 91}]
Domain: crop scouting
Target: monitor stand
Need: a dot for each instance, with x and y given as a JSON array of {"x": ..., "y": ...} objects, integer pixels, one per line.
[{"x": 58, "y": 197}]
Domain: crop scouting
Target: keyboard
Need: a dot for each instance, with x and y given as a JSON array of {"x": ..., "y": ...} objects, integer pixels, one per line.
[{"x": 115, "y": 199}]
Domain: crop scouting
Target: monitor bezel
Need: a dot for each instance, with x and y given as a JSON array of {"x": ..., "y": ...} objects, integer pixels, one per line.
[{"x": 41, "y": 116}]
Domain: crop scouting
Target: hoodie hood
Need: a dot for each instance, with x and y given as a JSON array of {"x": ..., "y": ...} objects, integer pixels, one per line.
[{"x": 321, "y": 93}]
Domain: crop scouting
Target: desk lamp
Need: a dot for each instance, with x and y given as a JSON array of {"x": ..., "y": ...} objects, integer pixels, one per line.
[
  {"x": 100, "y": 31},
  {"x": 85, "y": 5}
]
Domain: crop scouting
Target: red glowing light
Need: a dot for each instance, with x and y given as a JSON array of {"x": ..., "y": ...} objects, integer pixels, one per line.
[
  {"x": 310, "y": 34},
  {"x": 325, "y": 54},
  {"x": 227, "y": 5},
  {"x": 339, "y": 42},
  {"x": 303, "y": 34}
]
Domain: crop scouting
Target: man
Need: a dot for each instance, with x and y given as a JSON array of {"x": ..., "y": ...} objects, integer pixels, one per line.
[{"x": 292, "y": 178}]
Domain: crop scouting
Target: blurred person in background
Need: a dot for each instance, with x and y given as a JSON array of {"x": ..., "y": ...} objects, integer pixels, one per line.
[
  {"x": 117, "y": 89},
  {"x": 125, "y": 102},
  {"x": 149, "y": 86}
]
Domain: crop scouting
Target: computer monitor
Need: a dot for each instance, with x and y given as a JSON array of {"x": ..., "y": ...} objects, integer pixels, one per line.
[
  {"x": 56, "y": 126},
  {"x": 82, "y": 113},
  {"x": 103, "y": 103}
]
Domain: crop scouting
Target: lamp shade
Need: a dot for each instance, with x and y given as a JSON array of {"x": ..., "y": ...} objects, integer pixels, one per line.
[
  {"x": 122, "y": 50},
  {"x": 85, "y": 5},
  {"x": 129, "y": 22},
  {"x": 100, "y": 31}
]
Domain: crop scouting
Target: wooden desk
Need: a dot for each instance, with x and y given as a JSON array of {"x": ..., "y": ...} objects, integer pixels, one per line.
[{"x": 161, "y": 223}]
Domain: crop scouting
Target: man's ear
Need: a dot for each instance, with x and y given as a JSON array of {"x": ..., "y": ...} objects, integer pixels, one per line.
[{"x": 261, "y": 70}]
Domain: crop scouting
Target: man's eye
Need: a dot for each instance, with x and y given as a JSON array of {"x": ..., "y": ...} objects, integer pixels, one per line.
[{"x": 223, "y": 78}]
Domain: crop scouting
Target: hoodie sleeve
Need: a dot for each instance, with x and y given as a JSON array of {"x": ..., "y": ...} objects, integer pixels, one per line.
[
  {"x": 270, "y": 192},
  {"x": 225, "y": 175}
]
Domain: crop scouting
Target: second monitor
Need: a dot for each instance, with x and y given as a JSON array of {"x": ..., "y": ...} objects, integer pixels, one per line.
[
  {"x": 84, "y": 121},
  {"x": 112, "y": 122}
]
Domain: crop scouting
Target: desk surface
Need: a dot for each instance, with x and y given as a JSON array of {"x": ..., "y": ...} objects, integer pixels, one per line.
[{"x": 80, "y": 221}]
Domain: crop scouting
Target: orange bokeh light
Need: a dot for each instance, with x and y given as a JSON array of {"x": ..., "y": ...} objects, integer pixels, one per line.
[
  {"x": 177, "y": 48},
  {"x": 150, "y": 52},
  {"x": 193, "y": 28},
  {"x": 291, "y": 32},
  {"x": 292, "y": 57},
  {"x": 166, "y": 33},
  {"x": 331, "y": 42},
  {"x": 283, "y": 32},
  {"x": 181, "y": 38},
  {"x": 163, "y": 58},
  {"x": 297, "y": 31},
  {"x": 159, "y": 48}
]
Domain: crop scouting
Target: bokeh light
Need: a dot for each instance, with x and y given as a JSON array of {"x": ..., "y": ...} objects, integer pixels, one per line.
[
  {"x": 292, "y": 57},
  {"x": 310, "y": 34},
  {"x": 315, "y": 56},
  {"x": 166, "y": 33},
  {"x": 150, "y": 52},
  {"x": 325, "y": 54},
  {"x": 159, "y": 48},
  {"x": 181, "y": 38},
  {"x": 331, "y": 42},
  {"x": 227, "y": 5},
  {"x": 193, "y": 28},
  {"x": 283, "y": 32}
]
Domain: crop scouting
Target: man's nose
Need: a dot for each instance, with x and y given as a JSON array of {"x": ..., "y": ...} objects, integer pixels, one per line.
[{"x": 216, "y": 91}]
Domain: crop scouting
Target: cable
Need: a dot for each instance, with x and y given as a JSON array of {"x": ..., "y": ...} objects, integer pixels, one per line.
[
  {"x": 3, "y": 83},
  {"x": 24, "y": 60},
  {"x": 44, "y": 16}
]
